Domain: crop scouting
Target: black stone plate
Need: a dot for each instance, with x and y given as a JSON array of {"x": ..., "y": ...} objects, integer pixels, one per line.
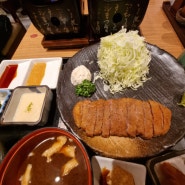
[{"x": 167, "y": 84}]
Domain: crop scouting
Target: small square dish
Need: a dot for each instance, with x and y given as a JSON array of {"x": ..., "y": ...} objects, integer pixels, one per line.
[
  {"x": 4, "y": 97},
  {"x": 99, "y": 164},
  {"x": 28, "y": 106},
  {"x": 14, "y": 73},
  {"x": 167, "y": 167},
  {"x": 43, "y": 71}
]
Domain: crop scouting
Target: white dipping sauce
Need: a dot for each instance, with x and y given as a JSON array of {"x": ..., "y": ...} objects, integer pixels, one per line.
[
  {"x": 79, "y": 74},
  {"x": 29, "y": 107}
]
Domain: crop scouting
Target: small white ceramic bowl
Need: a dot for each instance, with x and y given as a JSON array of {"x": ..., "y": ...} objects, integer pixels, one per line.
[{"x": 28, "y": 106}]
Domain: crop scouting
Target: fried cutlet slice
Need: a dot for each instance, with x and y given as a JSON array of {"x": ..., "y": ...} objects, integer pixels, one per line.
[
  {"x": 106, "y": 118},
  {"x": 99, "y": 117},
  {"x": 115, "y": 119},
  {"x": 140, "y": 129},
  {"x": 119, "y": 176},
  {"x": 77, "y": 113},
  {"x": 157, "y": 117},
  {"x": 171, "y": 175},
  {"x": 91, "y": 119},
  {"x": 122, "y": 117},
  {"x": 167, "y": 115},
  {"x": 85, "y": 113},
  {"x": 131, "y": 124},
  {"x": 148, "y": 121}
]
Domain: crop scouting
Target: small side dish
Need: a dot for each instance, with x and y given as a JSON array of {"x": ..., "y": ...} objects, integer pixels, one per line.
[
  {"x": 8, "y": 75},
  {"x": 28, "y": 105},
  {"x": 171, "y": 175},
  {"x": 116, "y": 176},
  {"x": 108, "y": 171},
  {"x": 168, "y": 168},
  {"x": 36, "y": 74},
  {"x": 43, "y": 71}
]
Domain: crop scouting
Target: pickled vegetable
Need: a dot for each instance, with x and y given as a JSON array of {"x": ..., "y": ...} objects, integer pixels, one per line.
[{"x": 182, "y": 103}]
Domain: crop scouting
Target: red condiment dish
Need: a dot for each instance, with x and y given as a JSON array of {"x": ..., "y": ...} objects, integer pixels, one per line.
[
  {"x": 19, "y": 153},
  {"x": 8, "y": 75}
]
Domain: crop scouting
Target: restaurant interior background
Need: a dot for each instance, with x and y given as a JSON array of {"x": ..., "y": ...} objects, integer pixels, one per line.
[
  {"x": 20, "y": 13},
  {"x": 12, "y": 35}
]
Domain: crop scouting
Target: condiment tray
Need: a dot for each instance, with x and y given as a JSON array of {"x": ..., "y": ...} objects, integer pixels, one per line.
[{"x": 24, "y": 68}]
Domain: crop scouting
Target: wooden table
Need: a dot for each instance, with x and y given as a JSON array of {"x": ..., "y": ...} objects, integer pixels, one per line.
[{"x": 155, "y": 27}]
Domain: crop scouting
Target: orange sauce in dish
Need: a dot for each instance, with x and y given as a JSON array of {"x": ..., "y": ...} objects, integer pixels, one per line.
[
  {"x": 103, "y": 177},
  {"x": 37, "y": 73},
  {"x": 8, "y": 75}
]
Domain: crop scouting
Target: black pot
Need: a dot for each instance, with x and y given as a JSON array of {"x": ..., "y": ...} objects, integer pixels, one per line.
[
  {"x": 55, "y": 18},
  {"x": 109, "y": 16},
  {"x": 63, "y": 18}
]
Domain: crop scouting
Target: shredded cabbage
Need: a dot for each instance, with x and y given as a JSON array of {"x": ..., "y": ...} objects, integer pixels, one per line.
[{"x": 123, "y": 59}]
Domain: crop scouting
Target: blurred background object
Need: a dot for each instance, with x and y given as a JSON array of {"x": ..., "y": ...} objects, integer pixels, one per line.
[
  {"x": 107, "y": 17},
  {"x": 55, "y": 18},
  {"x": 64, "y": 26},
  {"x": 180, "y": 16},
  {"x": 2, "y": 152},
  {"x": 177, "y": 4},
  {"x": 15, "y": 30}
]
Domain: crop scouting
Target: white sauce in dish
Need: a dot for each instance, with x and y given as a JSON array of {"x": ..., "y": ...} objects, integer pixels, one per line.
[
  {"x": 29, "y": 107},
  {"x": 79, "y": 74}
]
